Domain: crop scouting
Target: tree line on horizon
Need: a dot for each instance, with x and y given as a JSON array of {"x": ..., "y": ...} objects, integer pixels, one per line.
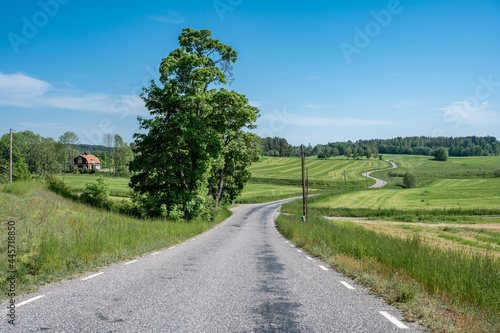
[
  {"x": 458, "y": 146},
  {"x": 35, "y": 155}
]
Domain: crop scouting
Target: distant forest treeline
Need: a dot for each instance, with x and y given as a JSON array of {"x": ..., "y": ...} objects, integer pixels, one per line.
[{"x": 421, "y": 145}]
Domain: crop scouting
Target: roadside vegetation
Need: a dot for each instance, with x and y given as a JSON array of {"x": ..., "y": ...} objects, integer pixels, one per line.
[
  {"x": 432, "y": 250},
  {"x": 58, "y": 237},
  {"x": 445, "y": 289}
]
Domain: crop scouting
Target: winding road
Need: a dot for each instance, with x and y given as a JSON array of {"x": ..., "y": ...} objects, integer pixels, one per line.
[
  {"x": 379, "y": 182},
  {"x": 240, "y": 276}
]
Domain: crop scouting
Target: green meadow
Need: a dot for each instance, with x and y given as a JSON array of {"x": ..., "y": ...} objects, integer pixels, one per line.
[
  {"x": 288, "y": 170},
  {"x": 483, "y": 193}
]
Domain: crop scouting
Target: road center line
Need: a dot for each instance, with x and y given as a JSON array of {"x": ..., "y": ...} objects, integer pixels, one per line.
[
  {"x": 393, "y": 319},
  {"x": 92, "y": 276},
  {"x": 29, "y": 300},
  {"x": 323, "y": 267},
  {"x": 130, "y": 262},
  {"x": 347, "y": 285}
]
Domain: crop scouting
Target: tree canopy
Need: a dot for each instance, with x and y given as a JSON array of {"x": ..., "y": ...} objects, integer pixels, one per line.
[{"x": 190, "y": 153}]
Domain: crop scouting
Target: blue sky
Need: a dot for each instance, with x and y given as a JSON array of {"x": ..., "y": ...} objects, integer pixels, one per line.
[{"x": 319, "y": 71}]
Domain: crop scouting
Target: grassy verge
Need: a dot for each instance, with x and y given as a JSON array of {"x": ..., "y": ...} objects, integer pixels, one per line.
[
  {"x": 446, "y": 290},
  {"x": 56, "y": 237}
]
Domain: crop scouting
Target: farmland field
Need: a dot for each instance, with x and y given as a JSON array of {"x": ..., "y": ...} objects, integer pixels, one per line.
[
  {"x": 443, "y": 193},
  {"x": 282, "y": 170}
]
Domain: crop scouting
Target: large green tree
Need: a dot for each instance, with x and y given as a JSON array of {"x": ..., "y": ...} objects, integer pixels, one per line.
[
  {"x": 122, "y": 155},
  {"x": 194, "y": 127}
]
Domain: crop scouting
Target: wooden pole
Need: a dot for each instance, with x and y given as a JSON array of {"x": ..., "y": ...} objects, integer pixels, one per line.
[
  {"x": 10, "y": 163},
  {"x": 307, "y": 189},
  {"x": 303, "y": 184}
]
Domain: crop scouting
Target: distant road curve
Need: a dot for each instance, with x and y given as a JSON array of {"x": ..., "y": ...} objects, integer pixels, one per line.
[{"x": 379, "y": 182}]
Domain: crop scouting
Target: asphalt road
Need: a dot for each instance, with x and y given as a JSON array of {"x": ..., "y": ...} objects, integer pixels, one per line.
[
  {"x": 241, "y": 276},
  {"x": 379, "y": 182}
]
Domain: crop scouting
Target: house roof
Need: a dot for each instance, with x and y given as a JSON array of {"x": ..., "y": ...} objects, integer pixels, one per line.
[{"x": 91, "y": 159}]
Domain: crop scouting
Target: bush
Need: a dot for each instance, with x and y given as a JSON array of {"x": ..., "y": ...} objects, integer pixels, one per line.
[
  {"x": 496, "y": 173},
  {"x": 440, "y": 154},
  {"x": 96, "y": 193},
  {"x": 57, "y": 185},
  {"x": 321, "y": 155},
  {"x": 410, "y": 180},
  {"x": 20, "y": 172}
]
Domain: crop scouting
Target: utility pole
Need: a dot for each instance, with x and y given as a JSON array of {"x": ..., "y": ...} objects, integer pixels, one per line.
[
  {"x": 303, "y": 185},
  {"x": 307, "y": 189},
  {"x": 11, "y": 155}
]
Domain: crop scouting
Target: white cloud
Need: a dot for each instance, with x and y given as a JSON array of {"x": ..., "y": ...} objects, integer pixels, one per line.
[
  {"x": 315, "y": 106},
  {"x": 335, "y": 122},
  {"x": 296, "y": 120},
  {"x": 40, "y": 125},
  {"x": 171, "y": 17},
  {"x": 20, "y": 90},
  {"x": 465, "y": 112},
  {"x": 256, "y": 103}
]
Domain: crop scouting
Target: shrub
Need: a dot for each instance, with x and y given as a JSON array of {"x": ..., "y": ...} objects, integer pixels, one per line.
[
  {"x": 20, "y": 172},
  {"x": 96, "y": 193},
  {"x": 410, "y": 180},
  {"x": 440, "y": 154},
  {"x": 496, "y": 173},
  {"x": 57, "y": 185}
]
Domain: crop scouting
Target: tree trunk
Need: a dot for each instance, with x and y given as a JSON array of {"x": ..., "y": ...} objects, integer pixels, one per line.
[{"x": 219, "y": 188}]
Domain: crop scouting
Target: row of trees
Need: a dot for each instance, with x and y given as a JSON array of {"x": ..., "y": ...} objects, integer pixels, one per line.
[
  {"x": 32, "y": 154},
  {"x": 458, "y": 146}
]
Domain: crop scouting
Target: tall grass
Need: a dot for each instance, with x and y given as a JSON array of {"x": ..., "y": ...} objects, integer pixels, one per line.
[
  {"x": 470, "y": 278},
  {"x": 57, "y": 237}
]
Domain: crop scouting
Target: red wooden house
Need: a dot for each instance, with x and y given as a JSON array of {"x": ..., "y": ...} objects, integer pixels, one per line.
[{"x": 86, "y": 161}]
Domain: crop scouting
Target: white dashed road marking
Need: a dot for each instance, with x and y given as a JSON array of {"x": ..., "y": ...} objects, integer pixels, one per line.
[
  {"x": 130, "y": 262},
  {"x": 30, "y": 300},
  {"x": 92, "y": 276},
  {"x": 153, "y": 254},
  {"x": 347, "y": 285},
  {"x": 323, "y": 267},
  {"x": 299, "y": 251},
  {"x": 309, "y": 258},
  {"x": 393, "y": 319}
]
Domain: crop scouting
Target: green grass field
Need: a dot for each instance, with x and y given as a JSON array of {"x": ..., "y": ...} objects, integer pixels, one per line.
[
  {"x": 254, "y": 193},
  {"x": 118, "y": 186},
  {"x": 427, "y": 168},
  {"x": 288, "y": 170},
  {"x": 443, "y": 193}
]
